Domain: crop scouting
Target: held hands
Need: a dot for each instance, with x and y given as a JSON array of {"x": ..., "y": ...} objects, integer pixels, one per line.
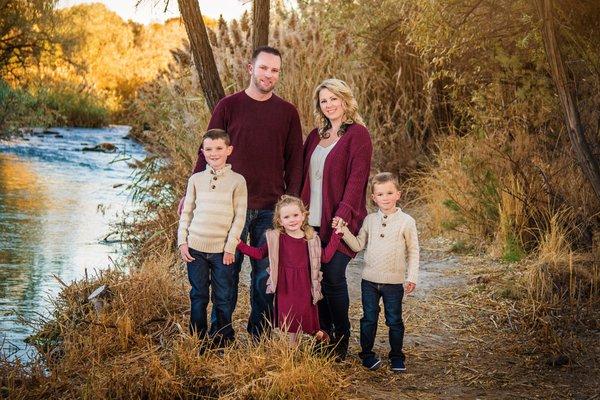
[
  {"x": 409, "y": 287},
  {"x": 184, "y": 250},
  {"x": 228, "y": 258},
  {"x": 337, "y": 223}
]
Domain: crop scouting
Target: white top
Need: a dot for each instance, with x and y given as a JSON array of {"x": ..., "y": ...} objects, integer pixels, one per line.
[
  {"x": 214, "y": 211},
  {"x": 392, "y": 247},
  {"x": 315, "y": 171}
]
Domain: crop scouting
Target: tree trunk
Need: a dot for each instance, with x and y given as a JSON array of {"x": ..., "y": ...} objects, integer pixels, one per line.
[
  {"x": 202, "y": 52},
  {"x": 568, "y": 98},
  {"x": 260, "y": 23}
]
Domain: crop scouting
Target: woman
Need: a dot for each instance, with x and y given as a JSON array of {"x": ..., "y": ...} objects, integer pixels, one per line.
[{"x": 337, "y": 161}]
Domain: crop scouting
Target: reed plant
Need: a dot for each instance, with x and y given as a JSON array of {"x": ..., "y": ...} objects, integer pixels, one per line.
[{"x": 137, "y": 345}]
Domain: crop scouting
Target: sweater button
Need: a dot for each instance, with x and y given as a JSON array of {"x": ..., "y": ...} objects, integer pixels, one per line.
[
  {"x": 213, "y": 186},
  {"x": 385, "y": 217},
  {"x": 382, "y": 235},
  {"x": 384, "y": 224},
  {"x": 214, "y": 178}
]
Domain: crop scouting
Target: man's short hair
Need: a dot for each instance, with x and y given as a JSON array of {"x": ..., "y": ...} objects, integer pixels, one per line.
[
  {"x": 265, "y": 49},
  {"x": 215, "y": 134}
]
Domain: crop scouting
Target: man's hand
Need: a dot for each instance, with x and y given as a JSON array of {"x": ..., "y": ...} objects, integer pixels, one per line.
[
  {"x": 409, "y": 287},
  {"x": 180, "y": 206},
  {"x": 228, "y": 258},
  {"x": 184, "y": 250}
]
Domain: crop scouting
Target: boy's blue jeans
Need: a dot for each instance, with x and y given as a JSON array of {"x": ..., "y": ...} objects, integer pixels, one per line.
[
  {"x": 261, "y": 303},
  {"x": 208, "y": 270},
  {"x": 392, "y": 295}
]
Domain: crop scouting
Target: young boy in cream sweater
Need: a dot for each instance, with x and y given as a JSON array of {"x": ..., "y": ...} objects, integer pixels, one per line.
[
  {"x": 392, "y": 250},
  {"x": 212, "y": 219}
]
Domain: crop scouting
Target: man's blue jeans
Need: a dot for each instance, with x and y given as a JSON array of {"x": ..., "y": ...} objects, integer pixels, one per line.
[
  {"x": 208, "y": 270},
  {"x": 392, "y": 295},
  {"x": 261, "y": 303}
]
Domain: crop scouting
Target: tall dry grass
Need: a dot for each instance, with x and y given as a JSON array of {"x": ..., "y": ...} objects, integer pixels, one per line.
[{"x": 138, "y": 346}]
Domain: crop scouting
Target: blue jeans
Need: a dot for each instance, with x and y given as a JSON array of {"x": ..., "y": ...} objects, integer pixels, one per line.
[
  {"x": 392, "y": 295},
  {"x": 208, "y": 270},
  {"x": 333, "y": 308},
  {"x": 261, "y": 303}
]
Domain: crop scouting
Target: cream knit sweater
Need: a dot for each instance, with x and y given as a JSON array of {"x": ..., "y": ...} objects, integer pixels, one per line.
[
  {"x": 214, "y": 211},
  {"x": 391, "y": 242}
]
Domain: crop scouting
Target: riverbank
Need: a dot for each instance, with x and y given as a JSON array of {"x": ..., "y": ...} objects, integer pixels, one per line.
[{"x": 57, "y": 204}]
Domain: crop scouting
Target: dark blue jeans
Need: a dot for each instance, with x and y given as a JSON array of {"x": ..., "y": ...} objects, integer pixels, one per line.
[
  {"x": 208, "y": 270},
  {"x": 333, "y": 308},
  {"x": 261, "y": 303},
  {"x": 392, "y": 295}
]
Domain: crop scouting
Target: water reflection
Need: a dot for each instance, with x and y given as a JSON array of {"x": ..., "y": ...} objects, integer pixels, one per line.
[{"x": 50, "y": 192}]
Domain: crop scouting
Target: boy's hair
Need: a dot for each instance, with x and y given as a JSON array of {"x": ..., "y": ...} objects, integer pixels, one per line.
[
  {"x": 215, "y": 134},
  {"x": 384, "y": 177},
  {"x": 287, "y": 200},
  {"x": 265, "y": 49}
]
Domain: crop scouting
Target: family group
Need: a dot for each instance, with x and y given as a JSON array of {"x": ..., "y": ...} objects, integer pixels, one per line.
[{"x": 299, "y": 211}]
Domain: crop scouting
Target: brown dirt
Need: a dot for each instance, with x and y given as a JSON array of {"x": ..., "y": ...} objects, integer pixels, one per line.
[{"x": 461, "y": 344}]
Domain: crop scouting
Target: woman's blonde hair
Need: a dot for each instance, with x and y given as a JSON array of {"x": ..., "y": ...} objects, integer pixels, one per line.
[
  {"x": 343, "y": 91},
  {"x": 287, "y": 200}
]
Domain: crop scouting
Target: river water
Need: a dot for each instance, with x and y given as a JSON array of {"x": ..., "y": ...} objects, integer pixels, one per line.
[{"x": 56, "y": 203}]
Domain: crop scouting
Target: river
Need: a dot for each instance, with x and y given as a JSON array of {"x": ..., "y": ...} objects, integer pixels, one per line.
[{"x": 56, "y": 204}]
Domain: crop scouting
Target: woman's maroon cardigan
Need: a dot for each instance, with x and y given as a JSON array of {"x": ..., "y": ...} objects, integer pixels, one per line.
[{"x": 345, "y": 177}]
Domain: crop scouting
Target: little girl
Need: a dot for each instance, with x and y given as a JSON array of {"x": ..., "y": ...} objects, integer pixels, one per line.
[{"x": 295, "y": 257}]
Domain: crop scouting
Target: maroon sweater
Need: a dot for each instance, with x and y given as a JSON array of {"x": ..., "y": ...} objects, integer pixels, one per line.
[
  {"x": 345, "y": 177},
  {"x": 267, "y": 146}
]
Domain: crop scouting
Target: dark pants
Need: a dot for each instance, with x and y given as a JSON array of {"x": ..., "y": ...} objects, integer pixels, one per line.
[
  {"x": 392, "y": 295},
  {"x": 333, "y": 308},
  {"x": 208, "y": 270},
  {"x": 261, "y": 303}
]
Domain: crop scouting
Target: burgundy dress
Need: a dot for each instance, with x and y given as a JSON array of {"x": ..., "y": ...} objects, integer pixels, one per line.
[{"x": 295, "y": 311}]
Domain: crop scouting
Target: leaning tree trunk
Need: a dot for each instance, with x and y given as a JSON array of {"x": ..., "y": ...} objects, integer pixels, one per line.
[
  {"x": 260, "y": 23},
  {"x": 568, "y": 99},
  {"x": 202, "y": 52}
]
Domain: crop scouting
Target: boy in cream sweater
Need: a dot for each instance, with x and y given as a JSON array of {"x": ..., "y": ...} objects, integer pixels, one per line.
[
  {"x": 392, "y": 250},
  {"x": 213, "y": 216}
]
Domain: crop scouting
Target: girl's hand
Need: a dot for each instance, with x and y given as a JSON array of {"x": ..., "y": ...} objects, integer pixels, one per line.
[
  {"x": 337, "y": 223},
  {"x": 184, "y": 250},
  {"x": 409, "y": 287},
  {"x": 228, "y": 258}
]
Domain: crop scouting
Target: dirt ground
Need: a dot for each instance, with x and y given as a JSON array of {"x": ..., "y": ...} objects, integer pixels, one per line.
[{"x": 460, "y": 345}]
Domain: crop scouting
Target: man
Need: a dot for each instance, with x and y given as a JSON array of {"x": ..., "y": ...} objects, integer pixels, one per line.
[{"x": 267, "y": 134}]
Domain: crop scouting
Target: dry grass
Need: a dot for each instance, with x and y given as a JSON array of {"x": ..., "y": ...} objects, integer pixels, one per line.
[{"x": 137, "y": 346}]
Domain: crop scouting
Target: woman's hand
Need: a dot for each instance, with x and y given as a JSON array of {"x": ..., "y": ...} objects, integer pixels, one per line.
[
  {"x": 184, "y": 250},
  {"x": 410, "y": 287},
  {"x": 228, "y": 258}
]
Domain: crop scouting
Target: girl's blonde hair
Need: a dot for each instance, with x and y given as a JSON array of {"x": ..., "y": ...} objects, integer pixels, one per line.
[
  {"x": 287, "y": 200},
  {"x": 343, "y": 91}
]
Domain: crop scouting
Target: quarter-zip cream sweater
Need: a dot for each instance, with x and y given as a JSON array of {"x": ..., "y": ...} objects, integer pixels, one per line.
[
  {"x": 392, "y": 247},
  {"x": 214, "y": 211}
]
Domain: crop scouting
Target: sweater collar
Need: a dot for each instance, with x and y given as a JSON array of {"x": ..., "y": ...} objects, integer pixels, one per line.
[
  {"x": 396, "y": 214},
  {"x": 220, "y": 172}
]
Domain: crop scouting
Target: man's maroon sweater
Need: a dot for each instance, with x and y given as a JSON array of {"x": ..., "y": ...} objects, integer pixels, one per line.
[
  {"x": 345, "y": 175},
  {"x": 267, "y": 146}
]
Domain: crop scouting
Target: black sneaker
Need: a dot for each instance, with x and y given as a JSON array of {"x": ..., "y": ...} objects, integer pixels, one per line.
[
  {"x": 371, "y": 363},
  {"x": 397, "y": 365}
]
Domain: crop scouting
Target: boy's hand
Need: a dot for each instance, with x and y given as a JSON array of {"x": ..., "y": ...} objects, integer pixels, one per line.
[
  {"x": 337, "y": 223},
  {"x": 228, "y": 258},
  {"x": 184, "y": 250},
  {"x": 410, "y": 287},
  {"x": 180, "y": 206}
]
